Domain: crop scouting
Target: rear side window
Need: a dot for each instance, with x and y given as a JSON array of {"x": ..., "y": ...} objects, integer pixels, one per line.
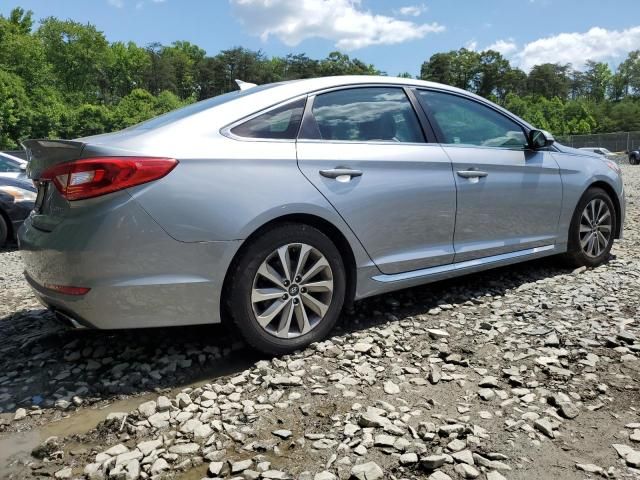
[
  {"x": 364, "y": 114},
  {"x": 466, "y": 122},
  {"x": 280, "y": 123}
]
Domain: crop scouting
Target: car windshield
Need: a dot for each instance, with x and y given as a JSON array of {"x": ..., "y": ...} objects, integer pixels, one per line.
[{"x": 198, "y": 107}]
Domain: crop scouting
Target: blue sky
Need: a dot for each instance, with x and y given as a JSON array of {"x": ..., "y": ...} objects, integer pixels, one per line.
[{"x": 396, "y": 36}]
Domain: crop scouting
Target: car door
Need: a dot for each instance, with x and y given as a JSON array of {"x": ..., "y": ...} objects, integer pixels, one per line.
[
  {"x": 508, "y": 196},
  {"x": 364, "y": 149}
]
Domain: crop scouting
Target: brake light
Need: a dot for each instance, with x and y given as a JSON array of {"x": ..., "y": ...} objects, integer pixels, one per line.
[
  {"x": 67, "y": 290},
  {"x": 93, "y": 177}
]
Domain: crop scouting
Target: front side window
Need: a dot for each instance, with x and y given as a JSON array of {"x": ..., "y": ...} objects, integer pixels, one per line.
[
  {"x": 364, "y": 114},
  {"x": 280, "y": 123},
  {"x": 466, "y": 122}
]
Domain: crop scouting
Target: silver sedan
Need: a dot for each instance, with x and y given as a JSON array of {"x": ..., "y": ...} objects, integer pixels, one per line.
[{"x": 276, "y": 205}]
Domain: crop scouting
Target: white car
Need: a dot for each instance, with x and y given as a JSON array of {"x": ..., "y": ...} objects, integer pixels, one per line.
[
  {"x": 600, "y": 151},
  {"x": 12, "y": 167}
]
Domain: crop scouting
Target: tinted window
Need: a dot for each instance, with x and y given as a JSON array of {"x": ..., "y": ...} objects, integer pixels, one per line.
[
  {"x": 364, "y": 114},
  {"x": 466, "y": 122},
  {"x": 281, "y": 123}
]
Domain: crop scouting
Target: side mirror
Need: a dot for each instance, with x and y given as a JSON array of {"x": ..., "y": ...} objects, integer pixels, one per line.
[
  {"x": 23, "y": 167},
  {"x": 540, "y": 139}
]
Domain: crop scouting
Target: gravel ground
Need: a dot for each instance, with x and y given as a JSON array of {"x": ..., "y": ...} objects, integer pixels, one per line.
[{"x": 530, "y": 371}]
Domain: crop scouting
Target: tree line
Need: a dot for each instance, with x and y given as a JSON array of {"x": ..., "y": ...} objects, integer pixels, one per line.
[{"x": 64, "y": 79}]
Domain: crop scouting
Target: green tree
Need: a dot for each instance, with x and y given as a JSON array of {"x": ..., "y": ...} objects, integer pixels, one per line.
[
  {"x": 549, "y": 80},
  {"x": 78, "y": 54},
  {"x": 15, "y": 112},
  {"x": 598, "y": 80}
]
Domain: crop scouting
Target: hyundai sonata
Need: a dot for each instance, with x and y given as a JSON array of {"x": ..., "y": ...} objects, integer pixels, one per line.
[{"x": 275, "y": 205}]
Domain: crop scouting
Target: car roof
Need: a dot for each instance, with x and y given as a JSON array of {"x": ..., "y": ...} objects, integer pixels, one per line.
[
  {"x": 12, "y": 157},
  {"x": 263, "y": 98},
  {"x": 204, "y": 118}
]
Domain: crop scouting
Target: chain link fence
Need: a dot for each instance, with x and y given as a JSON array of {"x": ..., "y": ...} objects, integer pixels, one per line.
[{"x": 621, "y": 142}]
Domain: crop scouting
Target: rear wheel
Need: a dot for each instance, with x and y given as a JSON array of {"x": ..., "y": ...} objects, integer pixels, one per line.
[
  {"x": 634, "y": 159},
  {"x": 4, "y": 231},
  {"x": 287, "y": 289},
  {"x": 592, "y": 229}
]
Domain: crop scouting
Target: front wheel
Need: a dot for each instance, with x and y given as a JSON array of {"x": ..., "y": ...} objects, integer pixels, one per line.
[
  {"x": 634, "y": 159},
  {"x": 592, "y": 229},
  {"x": 287, "y": 289}
]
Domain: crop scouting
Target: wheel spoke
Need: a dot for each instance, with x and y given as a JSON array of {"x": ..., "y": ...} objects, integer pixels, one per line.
[
  {"x": 302, "y": 259},
  {"x": 303, "y": 320},
  {"x": 604, "y": 216},
  {"x": 285, "y": 261},
  {"x": 602, "y": 240},
  {"x": 585, "y": 241},
  {"x": 315, "y": 269},
  {"x": 319, "y": 286},
  {"x": 592, "y": 245},
  {"x": 285, "y": 321},
  {"x": 314, "y": 304},
  {"x": 268, "y": 272},
  {"x": 599, "y": 204},
  {"x": 270, "y": 313},
  {"x": 584, "y": 228},
  {"x": 263, "y": 294}
]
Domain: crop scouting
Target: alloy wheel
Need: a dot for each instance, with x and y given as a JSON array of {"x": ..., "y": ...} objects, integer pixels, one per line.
[
  {"x": 595, "y": 228},
  {"x": 292, "y": 290}
]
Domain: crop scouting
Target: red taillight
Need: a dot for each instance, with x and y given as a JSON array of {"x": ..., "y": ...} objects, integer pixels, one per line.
[
  {"x": 93, "y": 177},
  {"x": 67, "y": 290}
]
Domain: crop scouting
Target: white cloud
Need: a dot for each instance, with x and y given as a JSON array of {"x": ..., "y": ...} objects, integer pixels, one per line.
[
  {"x": 505, "y": 47},
  {"x": 342, "y": 21},
  {"x": 116, "y": 3},
  {"x": 598, "y": 44},
  {"x": 411, "y": 10},
  {"x": 471, "y": 45}
]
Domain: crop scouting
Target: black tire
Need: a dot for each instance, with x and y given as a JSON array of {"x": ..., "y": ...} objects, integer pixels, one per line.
[
  {"x": 240, "y": 284},
  {"x": 575, "y": 255},
  {"x": 4, "y": 231},
  {"x": 634, "y": 159}
]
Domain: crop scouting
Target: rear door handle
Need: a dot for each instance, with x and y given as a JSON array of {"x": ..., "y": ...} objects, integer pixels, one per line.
[
  {"x": 340, "y": 172},
  {"x": 471, "y": 173}
]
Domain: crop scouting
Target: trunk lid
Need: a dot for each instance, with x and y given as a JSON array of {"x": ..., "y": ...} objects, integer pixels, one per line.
[{"x": 43, "y": 154}]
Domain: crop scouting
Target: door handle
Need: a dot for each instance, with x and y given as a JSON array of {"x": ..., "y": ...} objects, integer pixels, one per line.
[
  {"x": 471, "y": 173},
  {"x": 340, "y": 172}
]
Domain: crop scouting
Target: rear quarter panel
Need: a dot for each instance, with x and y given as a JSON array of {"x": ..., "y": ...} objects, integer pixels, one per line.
[{"x": 229, "y": 197}]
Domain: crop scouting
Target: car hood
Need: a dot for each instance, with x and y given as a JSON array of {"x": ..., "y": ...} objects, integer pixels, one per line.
[{"x": 576, "y": 151}]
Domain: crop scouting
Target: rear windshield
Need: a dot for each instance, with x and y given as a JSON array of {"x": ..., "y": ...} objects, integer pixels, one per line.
[{"x": 198, "y": 107}]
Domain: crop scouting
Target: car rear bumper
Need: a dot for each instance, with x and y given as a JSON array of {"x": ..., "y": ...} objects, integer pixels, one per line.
[{"x": 138, "y": 275}]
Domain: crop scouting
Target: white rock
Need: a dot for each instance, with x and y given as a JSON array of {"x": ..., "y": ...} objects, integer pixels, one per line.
[
  {"x": 20, "y": 414},
  {"x": 367, "y": 471},
  {"x": 147, "y": 409}
]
